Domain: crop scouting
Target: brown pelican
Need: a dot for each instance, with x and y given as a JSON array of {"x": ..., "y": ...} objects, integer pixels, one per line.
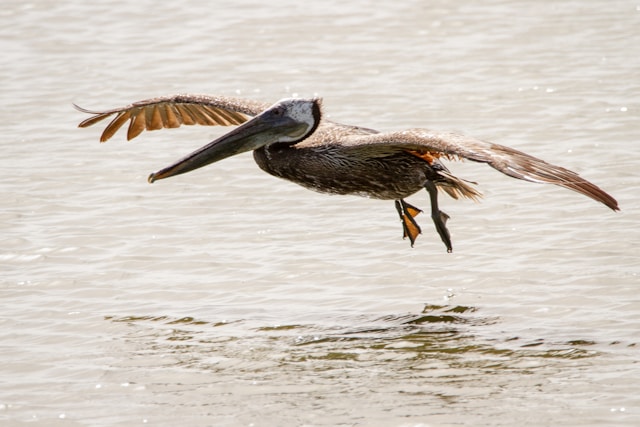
[{"x": 291, "y": 140}]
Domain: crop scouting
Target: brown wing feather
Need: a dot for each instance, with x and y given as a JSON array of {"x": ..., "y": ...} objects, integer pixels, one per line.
[
  {"x": 509, "y": 161},
  {"x": 174, "y": 111},
  {"x": 188, "y": 116},
  {"x": 169, "y": 116},
  {"x": 137, "y": 125},
  {"x": 114, "y": 125}
]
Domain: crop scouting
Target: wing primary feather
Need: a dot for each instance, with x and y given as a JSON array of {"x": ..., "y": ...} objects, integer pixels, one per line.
[
  {"x": 232, "y": 117},
  {"x": 199, "y": 117},
  {"x": 114, "y": 125},
  {"x": 155, "y": 121},
  {"x": 187, "y": 117},
  {"x": 92, "y": 120},
  {"x": 171, "y": 119},
  {"x": 212, "y": 115},
  {"x": 137, "y": 125}
]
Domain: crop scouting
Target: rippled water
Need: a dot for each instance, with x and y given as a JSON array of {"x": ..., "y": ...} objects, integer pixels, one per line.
[{"x": 228, "y": 297}]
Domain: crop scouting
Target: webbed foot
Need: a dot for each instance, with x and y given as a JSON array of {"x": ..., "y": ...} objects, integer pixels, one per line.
[{"x": 410, "y": 227}]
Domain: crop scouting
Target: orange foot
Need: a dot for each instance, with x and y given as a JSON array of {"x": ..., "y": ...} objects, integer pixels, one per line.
[{"x": 410, "y": 227}]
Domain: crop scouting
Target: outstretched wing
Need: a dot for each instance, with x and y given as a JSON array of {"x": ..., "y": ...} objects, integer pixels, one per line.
[
  {"x": 174, "y": 111},
  {"x": 429, "y": 144}
]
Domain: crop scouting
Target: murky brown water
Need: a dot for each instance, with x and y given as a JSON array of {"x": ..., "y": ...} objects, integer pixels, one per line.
[{"x": 228, "y": 297}]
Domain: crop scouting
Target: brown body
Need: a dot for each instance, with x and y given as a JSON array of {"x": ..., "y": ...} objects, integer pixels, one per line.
[{"x": 320, "y": 163}]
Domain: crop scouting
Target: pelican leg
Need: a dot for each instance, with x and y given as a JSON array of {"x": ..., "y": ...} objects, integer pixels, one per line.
[
  {"x": 410, "y": 227},
  {"x": 439, "y": 218}
]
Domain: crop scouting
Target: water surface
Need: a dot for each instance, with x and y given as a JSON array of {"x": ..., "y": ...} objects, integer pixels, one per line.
[{"x": 228, "y": 297}]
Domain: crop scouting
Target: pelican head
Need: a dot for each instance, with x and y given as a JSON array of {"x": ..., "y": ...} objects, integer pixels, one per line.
[{"x": 287, "y": 121}]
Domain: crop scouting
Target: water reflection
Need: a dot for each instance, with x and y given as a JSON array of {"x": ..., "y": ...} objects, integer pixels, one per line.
[
  {"x": 444, "y": 361},
  {"x": 438, "y": 337}
]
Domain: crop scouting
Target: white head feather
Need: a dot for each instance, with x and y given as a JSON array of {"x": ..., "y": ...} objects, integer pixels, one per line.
[{"x": 299, "y": 110}]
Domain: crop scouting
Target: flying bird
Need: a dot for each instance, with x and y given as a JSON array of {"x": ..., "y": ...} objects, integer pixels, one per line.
[{"x": 292, "y": 140}]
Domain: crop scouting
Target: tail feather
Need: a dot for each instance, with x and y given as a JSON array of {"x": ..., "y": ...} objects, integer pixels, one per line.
[{"x": 457, "y": 187}]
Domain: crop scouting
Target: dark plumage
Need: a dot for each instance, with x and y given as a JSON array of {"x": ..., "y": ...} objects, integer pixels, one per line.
[{"x": 290, "y": 140}]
